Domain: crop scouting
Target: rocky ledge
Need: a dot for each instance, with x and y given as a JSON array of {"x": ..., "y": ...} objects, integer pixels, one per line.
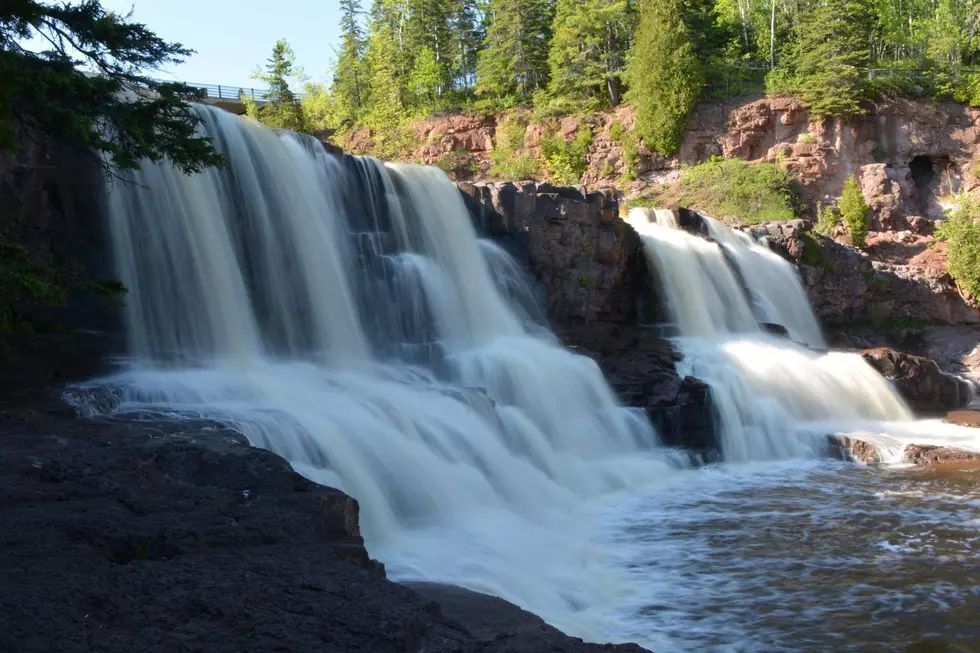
[
  {"x": 165, "y": 536},
  {"x": 854, "y": 448}
]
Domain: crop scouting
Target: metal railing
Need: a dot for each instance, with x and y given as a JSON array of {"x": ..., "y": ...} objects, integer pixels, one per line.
[{"x": 233, "y": 93}]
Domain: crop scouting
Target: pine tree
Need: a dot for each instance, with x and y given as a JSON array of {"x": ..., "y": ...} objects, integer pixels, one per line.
[
  {"x": 47, "y": 95},
  {"x": 833, "y": 45},
  {"x": 384, "y": 109},
  {"x": 468, "y": 33},
  {"x": 514, "y": 61},
  {"x": 588, "y": 50},
  {"x": 281, "y": 109},
  {"x": 349, "y": 84},
  {"x": 663, "y": 74}
]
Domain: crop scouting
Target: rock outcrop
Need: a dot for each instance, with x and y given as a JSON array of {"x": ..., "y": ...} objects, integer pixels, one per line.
[
  {"x": 919, "y": 380},
  {"x": 905, "y": 153},
  {"x": 588, "y": 260},
  {"x": 148, "y": 535},
  {"x": 847, "y": 287}
]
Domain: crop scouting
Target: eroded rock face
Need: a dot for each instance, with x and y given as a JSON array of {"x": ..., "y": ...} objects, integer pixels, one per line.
[
  {"x": 845, "y": 447},
  {"x": 588, "y": 260},
  {"x": 905, "y": 153},
  {"x": 847, "y": 287},
  {"x": 920, "y": 381}
]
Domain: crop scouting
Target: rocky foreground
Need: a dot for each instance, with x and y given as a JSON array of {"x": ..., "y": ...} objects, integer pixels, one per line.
[{"x": 122, "y": 536}]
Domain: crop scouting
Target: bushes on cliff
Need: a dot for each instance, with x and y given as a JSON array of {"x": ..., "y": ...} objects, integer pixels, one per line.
[
  {"x": 567, "y": 162},
  {"x": 509, "y": 160},
  {"x": 732, "y": 188},
  {"x": 854, "y": 211},
  {"x": 663, "y": 74},
  {"x": 962, "y": 231}
]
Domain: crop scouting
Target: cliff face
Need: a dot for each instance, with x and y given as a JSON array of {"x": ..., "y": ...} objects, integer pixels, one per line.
[{"x": 907, "y": 154}]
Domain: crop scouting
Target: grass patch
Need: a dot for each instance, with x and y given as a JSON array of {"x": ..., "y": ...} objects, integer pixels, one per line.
[{"x": 749, "y": 192}]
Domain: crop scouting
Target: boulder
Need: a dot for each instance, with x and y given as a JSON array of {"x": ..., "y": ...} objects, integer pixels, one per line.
[
  {"x": 920, "y": 454},
  {"x": 845, "y": 447},
  {"x": 925, "y": 387}
]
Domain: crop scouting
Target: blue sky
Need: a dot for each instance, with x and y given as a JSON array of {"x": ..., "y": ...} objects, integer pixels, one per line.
[{"x": 231, "y": 37}]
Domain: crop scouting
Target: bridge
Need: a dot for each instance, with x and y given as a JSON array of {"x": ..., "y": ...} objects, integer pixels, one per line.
[{"x": 228, "y": 97}]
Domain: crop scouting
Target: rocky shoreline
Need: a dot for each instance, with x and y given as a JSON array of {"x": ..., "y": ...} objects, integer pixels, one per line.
[{"x": 165, "y": 536}]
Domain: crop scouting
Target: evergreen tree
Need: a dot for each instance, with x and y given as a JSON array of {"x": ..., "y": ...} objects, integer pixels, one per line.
[
  {"x": 854, "y": 210},
  {"x": 588, "y": 50},
  {"x": 833, "y": 54},
  {"x": 349, "y": 85},
  {"x": 385, "y": 108},
  {"x": 467, "y": 30},
  {"x": 514, "y": 61},
  {"x": 282, "y": 109},
  {"x": 45, "y": 95},
  {"x": 663, "y": 74}
]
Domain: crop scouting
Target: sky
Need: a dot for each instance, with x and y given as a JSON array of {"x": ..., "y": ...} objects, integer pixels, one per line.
[{"x": 232, "y": 37}]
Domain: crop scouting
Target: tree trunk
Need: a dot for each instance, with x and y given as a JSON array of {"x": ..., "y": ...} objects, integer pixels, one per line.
[
  {"x": 772, "y": 37},
  {"x": 611, "y": 82}
]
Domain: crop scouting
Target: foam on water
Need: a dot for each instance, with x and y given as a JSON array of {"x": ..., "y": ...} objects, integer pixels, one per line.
[{"x": 344, "y": 314}]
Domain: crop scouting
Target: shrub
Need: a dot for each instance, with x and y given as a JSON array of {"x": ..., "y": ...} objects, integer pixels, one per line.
[
  {"x": 566, "y": 161},
  {"x": 508, "y": 159},
  {"x": 961, "y": 231},
  {"x": 751, "y": 192},
  {"x": 26, "y": 284},
  {"x": 806, "y": 138},
  {"x": 827, "y": 220},
  {"x": 631, "y": 149},
  {"x": 854, "y": 210},
  {"x": 458, "y": 163}
]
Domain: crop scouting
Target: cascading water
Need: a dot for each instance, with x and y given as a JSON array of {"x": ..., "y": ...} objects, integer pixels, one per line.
[
  {"x": 774, "y": 398},
  {"x": 343, "y": 314}
]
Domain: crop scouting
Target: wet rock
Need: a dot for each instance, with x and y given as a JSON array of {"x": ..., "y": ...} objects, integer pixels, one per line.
[
  {"x": 964, "y": 418},
  {"x": 124, "y": 536},
  {"x": 919, "y": 454},
  {"x": 588, "y": 261},
  {"x": 844, "y": 447},
  {"x": 920, "y": 381}
]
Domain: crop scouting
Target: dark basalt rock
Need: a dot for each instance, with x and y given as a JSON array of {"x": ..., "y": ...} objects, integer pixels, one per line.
[{"x": 926, "y": 388}]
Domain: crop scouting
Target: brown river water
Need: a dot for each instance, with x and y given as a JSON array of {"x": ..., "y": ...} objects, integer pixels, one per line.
[{"x": 818, "y": 556}]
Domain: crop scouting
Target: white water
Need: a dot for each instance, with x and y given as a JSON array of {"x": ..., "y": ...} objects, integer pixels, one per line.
[
  {"x": 775, "y": 398},
  {"x": 343, "y": 314}
]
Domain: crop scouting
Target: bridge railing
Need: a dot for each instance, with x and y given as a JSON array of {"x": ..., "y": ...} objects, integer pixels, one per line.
[{"x": 231, "y": 92}]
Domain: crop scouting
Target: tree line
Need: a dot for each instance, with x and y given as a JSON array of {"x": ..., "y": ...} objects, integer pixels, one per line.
[{"x": 405, "y": 58}]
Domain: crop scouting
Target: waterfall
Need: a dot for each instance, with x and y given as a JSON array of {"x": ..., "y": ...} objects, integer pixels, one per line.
[
  {"x": 344, "y": 314},
  {"x": 774, "y": 398}
]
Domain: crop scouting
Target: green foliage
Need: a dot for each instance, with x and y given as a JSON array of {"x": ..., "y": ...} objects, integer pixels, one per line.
[
  {"x": 458, "y": 163},
  {"x": 833, "y": 53},
  {"x": 282, "y": 109},
  {"x": 586, "y": 283},
  {"x": 567, "y": 162},
  {"x": 961, "y": 230},
  {"x": 508, "y": 159},
  {"x": 322, "y": 110},
  {"x": 588, "y": 51},
  {"x": 631, "y": 150},
  {"x": 750, "y": 192},
  {"x": 121, "y": 115},
  {"x": 806, "y": 138},
  {"x": 26, "y": 284},
  {"x": 664, "y": 75},
  {"x": 827, "y": 220},
  {"x": 854, "y": 211},
  {"x": 349, "y": 90},
  {"x": 514, "y": 61},
  {"x": 814, "y": 255}
]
